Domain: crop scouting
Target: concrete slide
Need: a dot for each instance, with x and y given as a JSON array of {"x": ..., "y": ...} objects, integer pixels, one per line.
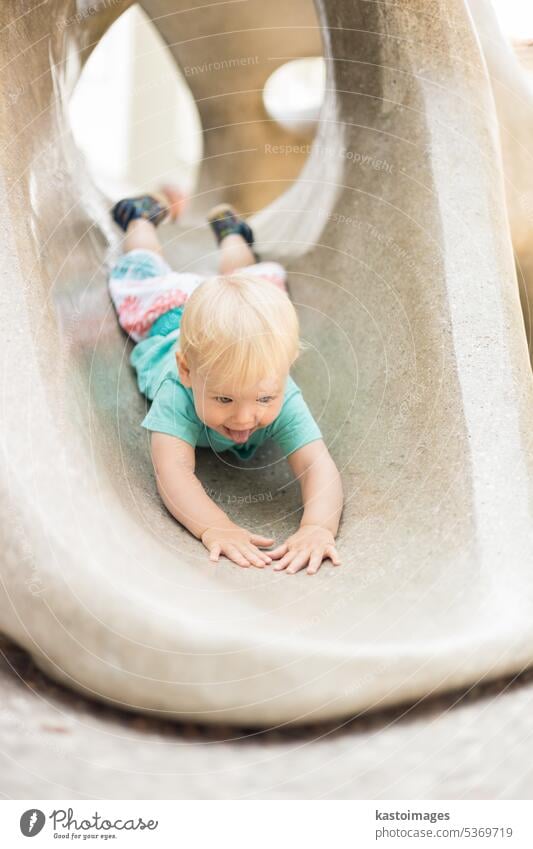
[
  {"x": 397, "y": 239},
  {"x": 513, "y": 95}
]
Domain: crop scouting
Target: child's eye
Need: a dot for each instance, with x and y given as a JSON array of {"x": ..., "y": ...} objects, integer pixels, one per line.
[{"x": 223, "y": 399}]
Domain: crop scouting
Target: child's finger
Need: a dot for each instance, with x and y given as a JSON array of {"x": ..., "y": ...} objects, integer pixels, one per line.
[
  {"x": 298, "y": 562},
  {"x": 257, "y": 539},
  {"x": 331, "y": 552},
  {"x": 279, "y": 551},
  {"x": 264, "y": 555},
  {"x": 254, "y": 557},
  {"x": 237, "y": 556},
  {"x": 214, "y": 551},
  {"x": 315, "y": 563},
  {"x": 281, "y": 564}
]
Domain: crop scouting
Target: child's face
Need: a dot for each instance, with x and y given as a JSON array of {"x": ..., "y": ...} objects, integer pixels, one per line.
[{"x": 233, "y": 411}]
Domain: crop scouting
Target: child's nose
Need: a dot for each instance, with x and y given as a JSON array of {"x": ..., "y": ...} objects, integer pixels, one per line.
[{"x": 244, "y": 415}]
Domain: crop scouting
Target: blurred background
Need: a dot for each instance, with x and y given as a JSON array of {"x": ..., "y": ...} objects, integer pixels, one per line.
[{"x": 135, "y": 120}]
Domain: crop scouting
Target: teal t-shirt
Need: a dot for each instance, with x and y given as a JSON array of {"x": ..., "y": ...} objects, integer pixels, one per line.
[{"x": 173, "y": 412}]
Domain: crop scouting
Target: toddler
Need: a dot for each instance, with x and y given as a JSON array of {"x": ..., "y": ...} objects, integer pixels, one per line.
[{"x": 213, "y": 355}]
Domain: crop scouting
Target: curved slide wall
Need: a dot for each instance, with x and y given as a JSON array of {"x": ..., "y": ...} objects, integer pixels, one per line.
[{"x": 397, "y": 239}]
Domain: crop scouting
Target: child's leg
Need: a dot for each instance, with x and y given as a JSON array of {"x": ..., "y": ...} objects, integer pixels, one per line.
[
  {"x": 234, "y": 253},
  {"x": 142, "y": 285},
  {"x": 235, "y": 239},
  {"x": 141, "y": 235},
  {"x": 144, "y": 289}
]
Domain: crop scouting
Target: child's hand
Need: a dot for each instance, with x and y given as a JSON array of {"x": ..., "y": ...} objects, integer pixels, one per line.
[
  {"x": 310, "y": 544},
  {"x": 238, "y": 545}
]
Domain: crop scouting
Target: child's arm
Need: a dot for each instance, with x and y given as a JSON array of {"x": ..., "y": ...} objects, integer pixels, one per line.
[
  {"x": 184, "y": 496},
  {"x": 322, "y": 496}
]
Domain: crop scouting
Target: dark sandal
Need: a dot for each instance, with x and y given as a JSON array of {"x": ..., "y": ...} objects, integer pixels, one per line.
[
  {"x": 145, "y": 206},
  {"x": 224, "y": 221}
]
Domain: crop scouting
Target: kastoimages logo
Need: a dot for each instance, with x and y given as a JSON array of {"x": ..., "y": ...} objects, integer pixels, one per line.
[{"x": 31, "y": 822}]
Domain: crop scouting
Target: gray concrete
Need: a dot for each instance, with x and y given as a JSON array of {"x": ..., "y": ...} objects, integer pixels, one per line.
[
  {"x": 398, "y": 244},
  {"x": 471, "y": 745},
  {"x": 513, "y": 96}
]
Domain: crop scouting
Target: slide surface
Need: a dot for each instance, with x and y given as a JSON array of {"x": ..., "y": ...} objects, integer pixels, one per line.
[{"x": 397, "y": 240}]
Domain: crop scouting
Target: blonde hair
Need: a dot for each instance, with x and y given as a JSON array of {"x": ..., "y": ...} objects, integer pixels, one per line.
[{"x": 239, "y": 328}]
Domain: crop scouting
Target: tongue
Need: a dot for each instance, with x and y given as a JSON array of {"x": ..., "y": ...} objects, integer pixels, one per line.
[{"x": 239, "y": 435}]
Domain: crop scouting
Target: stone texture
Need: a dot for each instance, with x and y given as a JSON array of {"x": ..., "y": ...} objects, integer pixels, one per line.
[
  {"x": 513, "y": 97},
  {"x": 397, "y": 239},
  {"x": 55, "y": 745}
]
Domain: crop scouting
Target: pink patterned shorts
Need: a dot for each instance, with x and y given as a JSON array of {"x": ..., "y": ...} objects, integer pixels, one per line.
[{"x": 143, "y": 287}]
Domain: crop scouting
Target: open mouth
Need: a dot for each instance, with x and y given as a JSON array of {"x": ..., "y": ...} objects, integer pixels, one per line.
[{"x": 238, "y": 435}]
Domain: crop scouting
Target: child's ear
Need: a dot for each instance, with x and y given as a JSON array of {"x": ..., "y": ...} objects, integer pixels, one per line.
[{"x": 183, "y": 369}]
